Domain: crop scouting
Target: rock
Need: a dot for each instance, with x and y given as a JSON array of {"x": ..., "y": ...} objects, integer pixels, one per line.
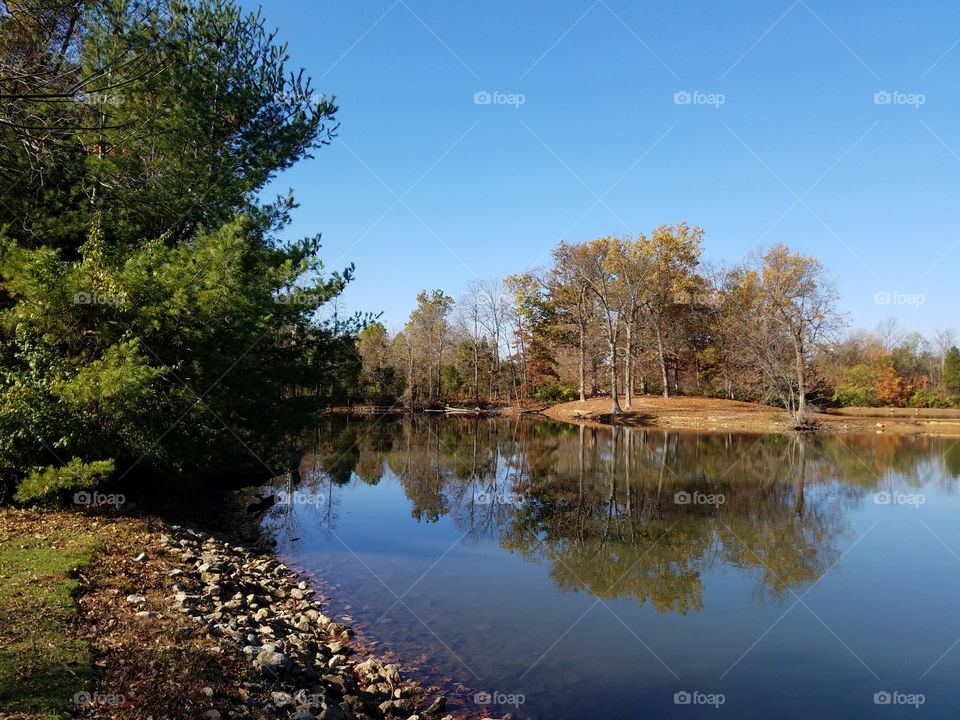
[
  {"x": 271, "y": 663},
  {"x": 208, "y": 691},
  {"x": 211, "y": 715},
  {"x": 436, "y": 707},
  {"x": 302, "y": 715},
  {"x": 146, "y": 614},
  {"x": 281, "y": 699},
  {"x": 141, "y": 557},
  {"x": 136, "y": 599},
  {"x": 333, "y": 712}
]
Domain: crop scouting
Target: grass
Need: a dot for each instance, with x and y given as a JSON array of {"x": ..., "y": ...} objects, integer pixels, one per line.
[{"x": 41, "y": 665}]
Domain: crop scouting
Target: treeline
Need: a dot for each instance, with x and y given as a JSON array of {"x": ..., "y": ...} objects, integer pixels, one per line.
[
  {"x": 638, "y": 315},
  {"x": 153, "y": 328}
]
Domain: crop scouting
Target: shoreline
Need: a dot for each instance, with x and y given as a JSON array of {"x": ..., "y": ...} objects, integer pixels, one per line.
[
  {"x": 186, "y": 622},
  {"x": 697, "y": 414}
]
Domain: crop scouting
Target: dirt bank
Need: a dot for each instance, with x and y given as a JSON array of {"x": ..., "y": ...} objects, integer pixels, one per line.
[{"x": 711, "y": 414}]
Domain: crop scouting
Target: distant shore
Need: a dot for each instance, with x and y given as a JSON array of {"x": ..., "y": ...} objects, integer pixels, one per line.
[{"x": 712, "y": 414}]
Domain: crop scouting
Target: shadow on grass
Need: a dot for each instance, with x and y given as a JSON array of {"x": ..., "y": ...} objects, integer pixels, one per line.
[{"x": 41, "y": 665}]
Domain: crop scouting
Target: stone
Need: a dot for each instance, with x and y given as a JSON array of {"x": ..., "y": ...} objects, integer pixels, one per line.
[
  {"x": 211, "y": 715},
  {"x": 271, "y": 663},
  {"x": 136, "y": 599},
  {"x": 146, "y": 614},
  {"x": 436, "y": 707},
  {"x": 141, "y": 557},
  {"x": 281, "y": 699}
]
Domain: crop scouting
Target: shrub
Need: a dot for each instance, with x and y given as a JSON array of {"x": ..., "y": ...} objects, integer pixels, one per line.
[{"x": 555, "y": 391}]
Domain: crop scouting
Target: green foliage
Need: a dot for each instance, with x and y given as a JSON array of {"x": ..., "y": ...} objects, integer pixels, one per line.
[
  {"x": 555, "y": 391},
  {"x": 858, "y": 387},
  {"x": 151, "y": 319},
  {"x": 951, "y": 372},
  {"x": 450, "y": 381},
  {"x": 50, "y": 482},
  {"x": 925, "y": 398}
]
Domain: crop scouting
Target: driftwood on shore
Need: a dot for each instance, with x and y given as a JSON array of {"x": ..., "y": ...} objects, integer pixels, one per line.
[{"x": 450, "y": 410}]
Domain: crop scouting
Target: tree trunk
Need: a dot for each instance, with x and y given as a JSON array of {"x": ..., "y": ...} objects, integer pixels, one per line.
[
  {"x": 583, "y": 363},
  {"x": 663, "y": 363},
  {"x": 628, "y": 367},
  {"x": 801, "y": 384},
  {"x": 614, "y": 400}
]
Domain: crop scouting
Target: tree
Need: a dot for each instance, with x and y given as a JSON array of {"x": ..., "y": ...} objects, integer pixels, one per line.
[
  {"x": 146, "y": 302},
  {"x": 673, "y": 253},
  {"x": 427, "y": 330},
  {"x": 596, "y": 263},
  {"x": 574, "y": 302},
  {"x": 633, "y": 271},
  {"x": 378, "y": 377},
  {"x": 951, "y": 372},
  {"x": 798, "y": 297}
]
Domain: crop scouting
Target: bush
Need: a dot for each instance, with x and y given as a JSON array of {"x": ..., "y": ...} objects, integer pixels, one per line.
[
  {"x": 930, "y": 399},
  {"x": 858, "y": 387},
  {"x": 555, "y": 391}
]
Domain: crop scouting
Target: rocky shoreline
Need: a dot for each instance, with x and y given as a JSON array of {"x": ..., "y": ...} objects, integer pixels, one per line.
[{"x": 301, "y": 663}]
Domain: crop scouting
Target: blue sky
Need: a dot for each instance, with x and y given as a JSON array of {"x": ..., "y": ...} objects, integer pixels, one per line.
[{"x": 785, "y": 138}]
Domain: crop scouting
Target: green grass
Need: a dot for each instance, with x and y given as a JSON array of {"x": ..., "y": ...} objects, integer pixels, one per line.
[{"x": 41, "y": 667}]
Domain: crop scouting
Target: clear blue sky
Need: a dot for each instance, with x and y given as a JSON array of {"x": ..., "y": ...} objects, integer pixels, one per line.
[{"x": 798, "y": 152}]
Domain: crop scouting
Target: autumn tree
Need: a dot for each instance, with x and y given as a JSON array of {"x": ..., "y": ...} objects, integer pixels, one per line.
[
  {"x": 798, "y": 297},
  {"x": 574, "y": 303},
  {"x": 672, "y": 252}
]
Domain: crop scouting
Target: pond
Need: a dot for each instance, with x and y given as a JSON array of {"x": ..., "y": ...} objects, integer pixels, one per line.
[{"x": 556, "y": 571}]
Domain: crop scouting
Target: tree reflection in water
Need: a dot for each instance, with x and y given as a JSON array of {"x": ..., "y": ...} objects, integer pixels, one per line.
[{"x": 600, "y": 506}]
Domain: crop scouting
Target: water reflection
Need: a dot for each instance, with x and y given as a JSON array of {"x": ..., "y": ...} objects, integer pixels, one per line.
[{"x": 624, "y": 512}]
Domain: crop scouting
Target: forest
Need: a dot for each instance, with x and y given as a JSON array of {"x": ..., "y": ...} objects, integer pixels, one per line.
[
  {"x": 158, "y": 325},
  {"x": 636, "y": 315}
]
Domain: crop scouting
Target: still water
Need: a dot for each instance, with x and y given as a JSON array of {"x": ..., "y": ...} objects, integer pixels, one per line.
[{"x": 553, "y": 571}]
